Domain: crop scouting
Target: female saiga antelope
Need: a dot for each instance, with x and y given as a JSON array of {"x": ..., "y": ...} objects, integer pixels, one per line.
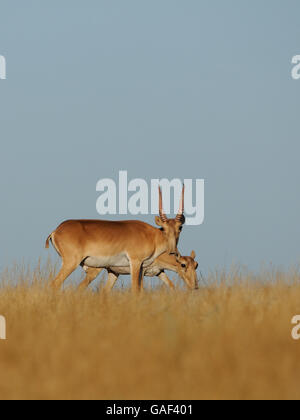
[
  {"x": 185, "y": 267},
  {"x": 105, "y": 244}
]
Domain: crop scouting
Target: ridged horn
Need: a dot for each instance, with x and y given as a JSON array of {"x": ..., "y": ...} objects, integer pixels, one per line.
[
  {"x": 180, "y": 216},
  {"x": 162, "y": 214}
]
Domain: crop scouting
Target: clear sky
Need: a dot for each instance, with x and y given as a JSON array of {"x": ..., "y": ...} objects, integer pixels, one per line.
[{"x": 188, "y": 89}]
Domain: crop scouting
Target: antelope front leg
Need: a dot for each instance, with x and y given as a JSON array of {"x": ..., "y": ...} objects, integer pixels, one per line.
[
  {"x": 111, "y": 281},
  {"x": 136, "y": 276},
  {"x": 91, "y": 275},
  {"x": 166, "y": 280}
]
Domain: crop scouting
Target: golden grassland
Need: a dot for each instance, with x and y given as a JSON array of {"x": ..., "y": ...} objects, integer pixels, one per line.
[{"x": 229, "y": 340}]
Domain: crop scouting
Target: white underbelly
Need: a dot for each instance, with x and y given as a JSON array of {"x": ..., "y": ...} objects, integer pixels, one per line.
[
  {"x": 120, "y": 261},
  {"x": 151, "y": 271},
  {"x": 107, "y": 262}
]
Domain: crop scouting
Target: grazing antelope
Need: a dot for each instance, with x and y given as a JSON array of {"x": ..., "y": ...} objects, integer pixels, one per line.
[
  {"x": 105, "y": 244},
  {"x": 185, "y": 267}
]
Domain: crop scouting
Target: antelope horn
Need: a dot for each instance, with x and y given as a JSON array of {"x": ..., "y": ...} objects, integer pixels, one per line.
[
  {"x": 161, "y": 211},
  {"x": 181, "y": 206}
]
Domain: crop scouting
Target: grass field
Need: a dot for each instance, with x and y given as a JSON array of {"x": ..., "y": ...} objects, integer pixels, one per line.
[{"x": 229, "y": 340}]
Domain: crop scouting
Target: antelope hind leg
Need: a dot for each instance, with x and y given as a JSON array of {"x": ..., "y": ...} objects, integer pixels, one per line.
[{"x": 66, "y": 270}]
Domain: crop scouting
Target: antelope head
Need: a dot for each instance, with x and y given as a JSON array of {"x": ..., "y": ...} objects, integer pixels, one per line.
[
  {"x": 171, "y": 228},
  {"x": 186, "y": 268}
]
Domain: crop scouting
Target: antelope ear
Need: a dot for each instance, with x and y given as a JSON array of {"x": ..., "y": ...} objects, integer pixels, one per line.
[
  {"x": 182, "y": 220},
  {"x": 158, "y": 221},
  {"x": 193, "y": 255}
]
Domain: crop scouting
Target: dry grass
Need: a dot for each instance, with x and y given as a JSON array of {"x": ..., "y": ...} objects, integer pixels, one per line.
[{"x": 231, "y": 340}]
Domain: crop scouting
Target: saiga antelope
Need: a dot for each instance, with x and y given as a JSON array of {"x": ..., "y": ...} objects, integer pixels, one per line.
[
  {"x": 105, "y": 244},
  {"x": 185, "y": 267}
]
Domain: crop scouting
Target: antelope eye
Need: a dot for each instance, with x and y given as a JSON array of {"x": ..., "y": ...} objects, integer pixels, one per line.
[
  {"x": 180, "y": 229},
  {"x": 183, "y": 265}
]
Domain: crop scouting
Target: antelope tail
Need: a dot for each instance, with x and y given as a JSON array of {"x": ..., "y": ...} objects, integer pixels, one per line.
[{"x": 48, "y": 241}]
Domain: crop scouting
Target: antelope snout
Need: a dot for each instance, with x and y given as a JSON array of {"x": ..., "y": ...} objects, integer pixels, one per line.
[{"x": 196, "y": 287}]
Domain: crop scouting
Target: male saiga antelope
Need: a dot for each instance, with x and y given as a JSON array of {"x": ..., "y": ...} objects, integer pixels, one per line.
[
  {"x": 104, "y": 244},
  {"x": 185, "y": 267}
]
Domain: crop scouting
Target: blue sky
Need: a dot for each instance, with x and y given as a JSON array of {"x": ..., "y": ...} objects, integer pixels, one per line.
[{"x": 176, "y": 89}]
